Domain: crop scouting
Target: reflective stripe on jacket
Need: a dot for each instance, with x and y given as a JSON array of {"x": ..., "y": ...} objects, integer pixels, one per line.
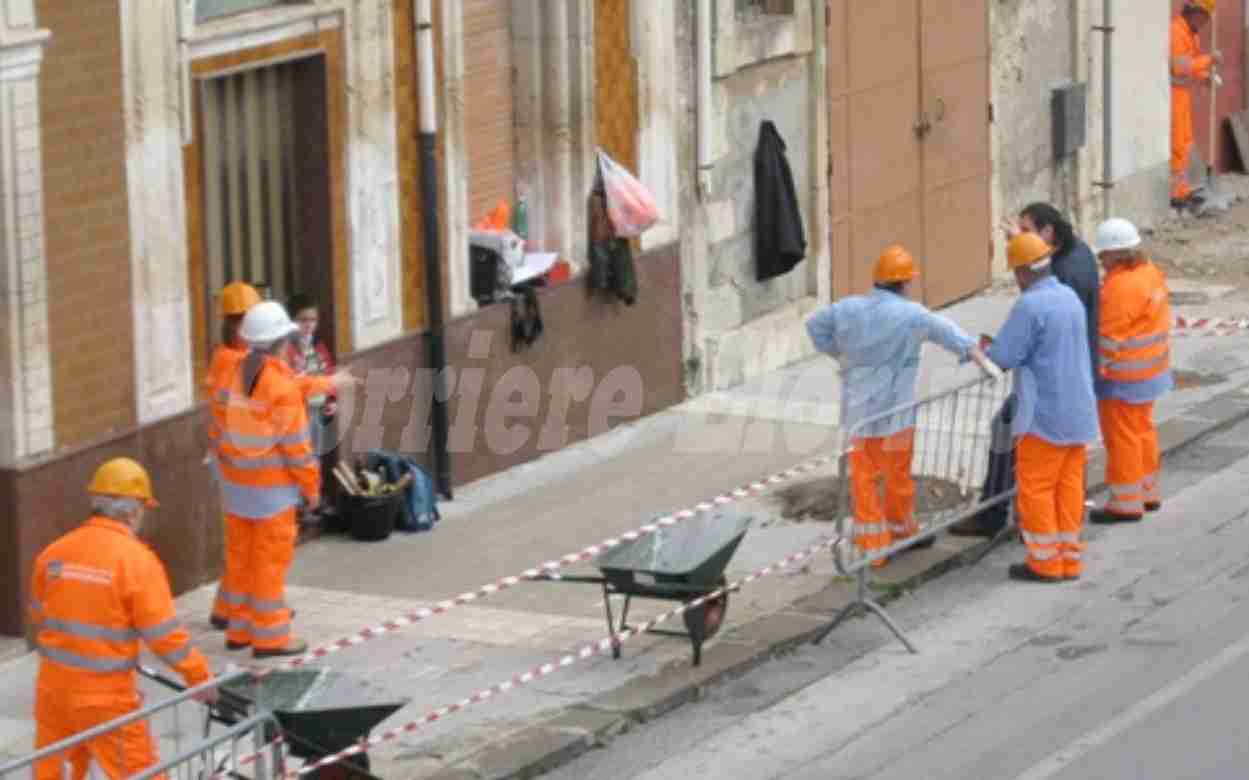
[
  {"x": 95, "y": 593},
  {"x": 265, "y": 453},
  {"x": 1135, "y": 333},
  {"x": 221, "y": 371},
  {"x": 1189, "y": 66}
]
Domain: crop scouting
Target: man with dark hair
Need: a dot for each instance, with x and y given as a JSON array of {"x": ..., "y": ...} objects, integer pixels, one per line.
[{"x": 1074, "y": 265}]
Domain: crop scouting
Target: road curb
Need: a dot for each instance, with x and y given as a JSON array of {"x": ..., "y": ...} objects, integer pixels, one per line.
[{"x": 577, "y": 729}]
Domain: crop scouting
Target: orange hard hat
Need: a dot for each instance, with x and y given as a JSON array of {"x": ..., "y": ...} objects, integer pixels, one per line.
[
  {"x": 895, "y": 264},
  {"x": 1205, "y": 5},
  {"x": 237, "y": 298},
  {"x": 124, "y": 478},
  {"x": 1026, "y": 249}
]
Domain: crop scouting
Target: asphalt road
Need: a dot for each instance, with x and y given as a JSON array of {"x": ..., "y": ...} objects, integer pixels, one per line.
[{"x": 1140, "y": 670}]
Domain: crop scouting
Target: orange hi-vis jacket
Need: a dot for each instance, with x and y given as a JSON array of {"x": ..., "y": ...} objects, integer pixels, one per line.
[
  {"x": 1135, "y": 315},
  {"x": 95, "y": 593},
  {"x": 225, "y": 364},
  {"x": 1189, "y": 67},
  {"x": 265, "y": 453}
]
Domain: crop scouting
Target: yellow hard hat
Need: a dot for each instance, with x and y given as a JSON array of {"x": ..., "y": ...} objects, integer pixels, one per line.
[
  {"x": 894, "y": 265},
  {"x": 1205, "y": 5},
  {"x": 123, "y": 478},
  {"x": 1026, "y": 249},
  {"x": 237, "y": 298}
]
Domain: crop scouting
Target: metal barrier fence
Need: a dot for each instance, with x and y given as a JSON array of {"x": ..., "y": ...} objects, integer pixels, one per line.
[
  {"x": 194, "y": 755},
  {"x": 952, "y": 448}
]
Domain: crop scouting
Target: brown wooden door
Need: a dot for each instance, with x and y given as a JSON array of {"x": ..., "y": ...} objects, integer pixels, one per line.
[
  {"x": 894, "y": 65},
  {"x": 955, "y": 93},
  {"x": 873, "y": 75}
]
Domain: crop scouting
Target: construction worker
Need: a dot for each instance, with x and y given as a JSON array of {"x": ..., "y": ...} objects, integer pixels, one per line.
[
  {"x": 1135, "y": 338},
  {"x": 876, "y": 338},
  {"x": 236, "y": 299},
  {"x": 1189, "y": 68},
  {"x": 94, "y": 594},
  {"x": 267, "y": 468},
  {"x": 1044, "y": 341}
]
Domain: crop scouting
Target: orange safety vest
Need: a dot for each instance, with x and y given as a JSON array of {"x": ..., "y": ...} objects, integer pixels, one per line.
[
  {"x": 1135, "y": 312},
  {"x": 265, "y": 453},
  {"x": 225, "y": 364},
  {"x": 95, "y": 593},
  {"x": 1189, "y": 66}
]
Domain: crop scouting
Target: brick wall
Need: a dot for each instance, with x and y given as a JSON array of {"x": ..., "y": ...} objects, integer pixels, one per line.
[{"x": 90, "y": 324}]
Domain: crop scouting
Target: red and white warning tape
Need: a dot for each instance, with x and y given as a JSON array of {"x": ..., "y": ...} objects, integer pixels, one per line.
[
  {"x": 547, "y": 669},
  {"x": 1209, "y": 326},
  {"x": 757, "y": 487}
]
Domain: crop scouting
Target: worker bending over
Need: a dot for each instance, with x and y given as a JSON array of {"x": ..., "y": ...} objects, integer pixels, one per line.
[
  {"x": 1135, "y": 371},
  {"x": 876, "y": 338},
  {"x": 94, "y": 594},
  {"x": 1045, "y": 342}
]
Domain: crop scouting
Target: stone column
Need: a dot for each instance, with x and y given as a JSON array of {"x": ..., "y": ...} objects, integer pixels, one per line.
[{"x": 25, "y": 361}]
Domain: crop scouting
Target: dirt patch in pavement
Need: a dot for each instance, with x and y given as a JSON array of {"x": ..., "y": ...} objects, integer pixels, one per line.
[
  {"x": 1213, "y": 248},
  {"x": 1188, "y": 380},
  {"x": 824, "y": 500}
]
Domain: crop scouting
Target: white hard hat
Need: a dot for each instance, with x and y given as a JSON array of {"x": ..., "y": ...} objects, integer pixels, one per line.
[
  {"x": 1115, "y": 234},
  {"x": 265, "y": 323}
]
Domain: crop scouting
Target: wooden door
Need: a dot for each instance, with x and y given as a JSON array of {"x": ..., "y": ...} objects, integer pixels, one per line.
[
  {"x": 909, "y": 144},
  {"x": 873, "y": 84},
  {"x": 955, "y": 150}
]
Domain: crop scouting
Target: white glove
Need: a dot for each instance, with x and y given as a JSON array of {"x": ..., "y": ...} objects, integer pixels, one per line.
[{"x": 1216, "y": 79}]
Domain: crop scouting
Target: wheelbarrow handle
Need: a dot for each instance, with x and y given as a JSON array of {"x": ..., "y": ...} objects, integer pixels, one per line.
[{"x": 178, "y": 687}]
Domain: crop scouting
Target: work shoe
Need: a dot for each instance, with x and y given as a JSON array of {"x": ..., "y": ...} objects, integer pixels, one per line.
[
  {"x": 232, "y": 646},
  {"x": 219, "y": 623},
  {"x": 294, "y": 647},
  {"x": 971, "y": 527},
  {"x": 924, "y": 545},
  {"x": 1105, "y": 517},
  {"x": 1025, "y": 573},
  {"x": 1153, "y": 506}
]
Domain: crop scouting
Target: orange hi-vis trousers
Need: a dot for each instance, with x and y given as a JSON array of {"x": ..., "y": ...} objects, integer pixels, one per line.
[
  {"x": 263, "y": 551},
  {"x": 125, "y": 752},
  {"x": 870, "y": 459},
  {"x": 1181, "y": 141},
  {"x": 1051, "y": 504},
  {"x": 1132, "y": 457}
]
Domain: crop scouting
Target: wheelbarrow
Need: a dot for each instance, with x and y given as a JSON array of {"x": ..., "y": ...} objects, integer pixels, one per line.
[
  {"x": 682, "y": 562},
  {"x": 320, "y": 711}
]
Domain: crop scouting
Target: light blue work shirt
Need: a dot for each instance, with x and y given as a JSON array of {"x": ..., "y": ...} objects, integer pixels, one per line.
[
  {"x": 1045, "y": 341},
  {"x": 876, "y": 339}
]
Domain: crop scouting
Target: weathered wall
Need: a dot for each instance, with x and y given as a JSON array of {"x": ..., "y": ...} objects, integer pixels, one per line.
[
  {"x": 765, "y": 68},
  {"x": 1036, "y": 47},
  {"x": 1140, "y": 109}
]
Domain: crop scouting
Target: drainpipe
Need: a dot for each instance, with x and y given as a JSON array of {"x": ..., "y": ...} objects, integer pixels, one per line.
[
  {"x": 1107, "y": 183},
  {"x": 703, "y": 45},
  {"x": 436, "y": 349}
]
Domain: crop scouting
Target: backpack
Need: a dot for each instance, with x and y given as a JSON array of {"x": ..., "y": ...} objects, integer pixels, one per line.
[{"x": 420, "y": 504}]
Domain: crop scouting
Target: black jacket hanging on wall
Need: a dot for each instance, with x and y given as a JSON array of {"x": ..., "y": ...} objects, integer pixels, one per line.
[{"x": 780, "y": 243}]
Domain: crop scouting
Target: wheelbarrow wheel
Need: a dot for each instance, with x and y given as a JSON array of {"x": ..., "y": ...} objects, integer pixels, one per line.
[
  {"x": 704, "y": 621},
  {"x": 338, "y": 770}
]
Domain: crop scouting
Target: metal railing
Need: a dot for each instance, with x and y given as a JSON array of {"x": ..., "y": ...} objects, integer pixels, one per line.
[
  {"x": 194, "y": 756},
  {"x": 953, "y": 446}
]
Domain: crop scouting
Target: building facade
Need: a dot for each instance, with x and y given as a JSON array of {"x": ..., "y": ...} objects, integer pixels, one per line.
[{"x": 151, "y": 153}]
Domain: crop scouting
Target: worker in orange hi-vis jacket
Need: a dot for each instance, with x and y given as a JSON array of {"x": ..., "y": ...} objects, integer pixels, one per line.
[
  {"x": 268, "y": 469},
  {"x": 237, "y": 298},
  {"x": 1189, "y": 68},
  {"x": 1135, "y": 370},
  {"x": 95, "y": 593}
]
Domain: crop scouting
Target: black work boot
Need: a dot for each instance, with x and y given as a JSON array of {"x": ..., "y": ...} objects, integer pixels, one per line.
[
  {"x": 1153, "y": 506},
  {"x": 1025, "y": 573},
  {"x": 1106, "y": 517}
]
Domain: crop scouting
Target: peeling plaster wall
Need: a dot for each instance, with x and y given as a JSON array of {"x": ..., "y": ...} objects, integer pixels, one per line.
[
  {"x": 1037, "y": 45},
  {"x": 766, "y": 68}
]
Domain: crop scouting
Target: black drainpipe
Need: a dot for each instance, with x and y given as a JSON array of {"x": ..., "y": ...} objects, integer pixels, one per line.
[{"x": 435, "y": 342}]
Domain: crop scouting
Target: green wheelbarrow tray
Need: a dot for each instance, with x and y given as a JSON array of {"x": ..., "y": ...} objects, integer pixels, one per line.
[
  {"x": 325, "y": 711},
  {"x": 681, "y": 562}
]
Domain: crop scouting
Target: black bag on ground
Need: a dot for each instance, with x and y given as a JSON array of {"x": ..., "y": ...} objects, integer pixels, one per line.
[{"x": 1001, "y": 474}]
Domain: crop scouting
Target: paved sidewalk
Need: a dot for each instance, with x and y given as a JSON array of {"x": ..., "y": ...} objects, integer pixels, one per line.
[{"x": 509, "y": 522}]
